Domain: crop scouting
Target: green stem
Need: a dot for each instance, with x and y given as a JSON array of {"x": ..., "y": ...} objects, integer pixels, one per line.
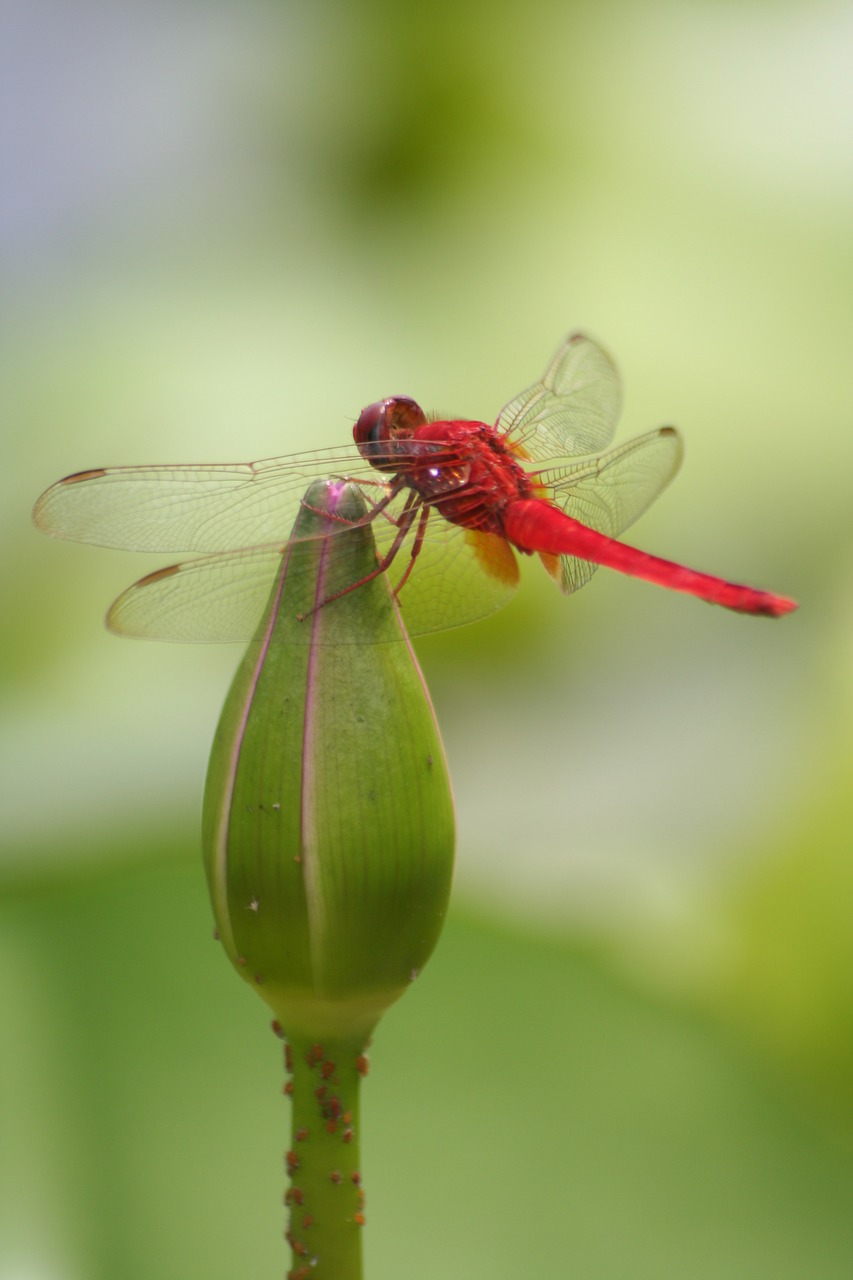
[{"x": 325, "y": 1198}]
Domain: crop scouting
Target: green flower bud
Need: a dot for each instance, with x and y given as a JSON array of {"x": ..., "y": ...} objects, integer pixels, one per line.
[{"x": 328, "y": 818}]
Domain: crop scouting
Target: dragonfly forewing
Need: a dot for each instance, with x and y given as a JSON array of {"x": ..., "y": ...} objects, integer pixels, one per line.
[
  {"x": 572, "y": 410},
  {"x": 190, "y": 508}
]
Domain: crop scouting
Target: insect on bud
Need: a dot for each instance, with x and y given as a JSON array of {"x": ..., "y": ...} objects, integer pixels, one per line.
[{"x": 328, "y": 818}]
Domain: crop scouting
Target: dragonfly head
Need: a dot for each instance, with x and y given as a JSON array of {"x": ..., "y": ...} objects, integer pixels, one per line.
[{"x": 383, "y": 427}]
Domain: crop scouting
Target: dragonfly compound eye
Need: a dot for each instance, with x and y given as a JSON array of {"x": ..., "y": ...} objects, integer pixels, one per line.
[
  {"x": 383, "y": 423},
  {"x": 403, "y": 416},
  {"x": 371, "y": 427}
]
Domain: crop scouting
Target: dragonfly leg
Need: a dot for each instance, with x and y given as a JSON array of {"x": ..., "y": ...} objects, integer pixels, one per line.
[
  {"x": 380, "y": 507},
  {"x": 404, "y": 524},
  {"x": 416, "y": 547}
]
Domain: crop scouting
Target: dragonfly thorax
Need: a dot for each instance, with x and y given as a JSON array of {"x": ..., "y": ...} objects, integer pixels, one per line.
[{"x": 464, "y": 471}]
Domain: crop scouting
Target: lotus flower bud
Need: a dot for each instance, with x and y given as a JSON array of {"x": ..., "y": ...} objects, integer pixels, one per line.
[{"x": 328, "y": 819}]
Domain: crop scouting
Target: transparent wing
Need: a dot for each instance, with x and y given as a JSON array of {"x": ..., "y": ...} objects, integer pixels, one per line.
[
  {"x": 217, "y": 598},
  {"x": 611, "y": 491},
  {"x": 458, "y": 577},
  {"x": 206, "y": 508},
  {"x": 243, "y": 513},
  {"x": 191, "y": 508},
  {"x": 573, "y": 409}
]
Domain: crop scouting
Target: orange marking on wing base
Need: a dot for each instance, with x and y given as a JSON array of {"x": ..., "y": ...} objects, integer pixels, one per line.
[
  {"x": 158, "y": 574},
  {"x": 517, "y": 449},
  {"x": 494, "y": 555},
  {"x": 552, "y": 564},
  {"x": 84, "y": 475}
]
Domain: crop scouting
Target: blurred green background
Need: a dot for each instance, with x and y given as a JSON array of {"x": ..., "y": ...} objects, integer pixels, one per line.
[{"x": 224, "y": 229}]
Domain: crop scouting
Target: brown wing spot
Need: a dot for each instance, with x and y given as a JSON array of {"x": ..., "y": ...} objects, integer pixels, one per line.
[
  {"x": 158, "y": 574},
  {"x": 84, "y": 475},
  {"x": 668, "y": 431},
  {"x": 494, "y": 555}
]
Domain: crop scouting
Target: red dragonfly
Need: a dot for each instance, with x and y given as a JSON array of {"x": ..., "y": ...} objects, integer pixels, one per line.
[{"x": 453, "y": 501}]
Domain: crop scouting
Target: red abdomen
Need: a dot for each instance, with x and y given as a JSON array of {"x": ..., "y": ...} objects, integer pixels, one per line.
[{"x": 534, "y": 525}]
